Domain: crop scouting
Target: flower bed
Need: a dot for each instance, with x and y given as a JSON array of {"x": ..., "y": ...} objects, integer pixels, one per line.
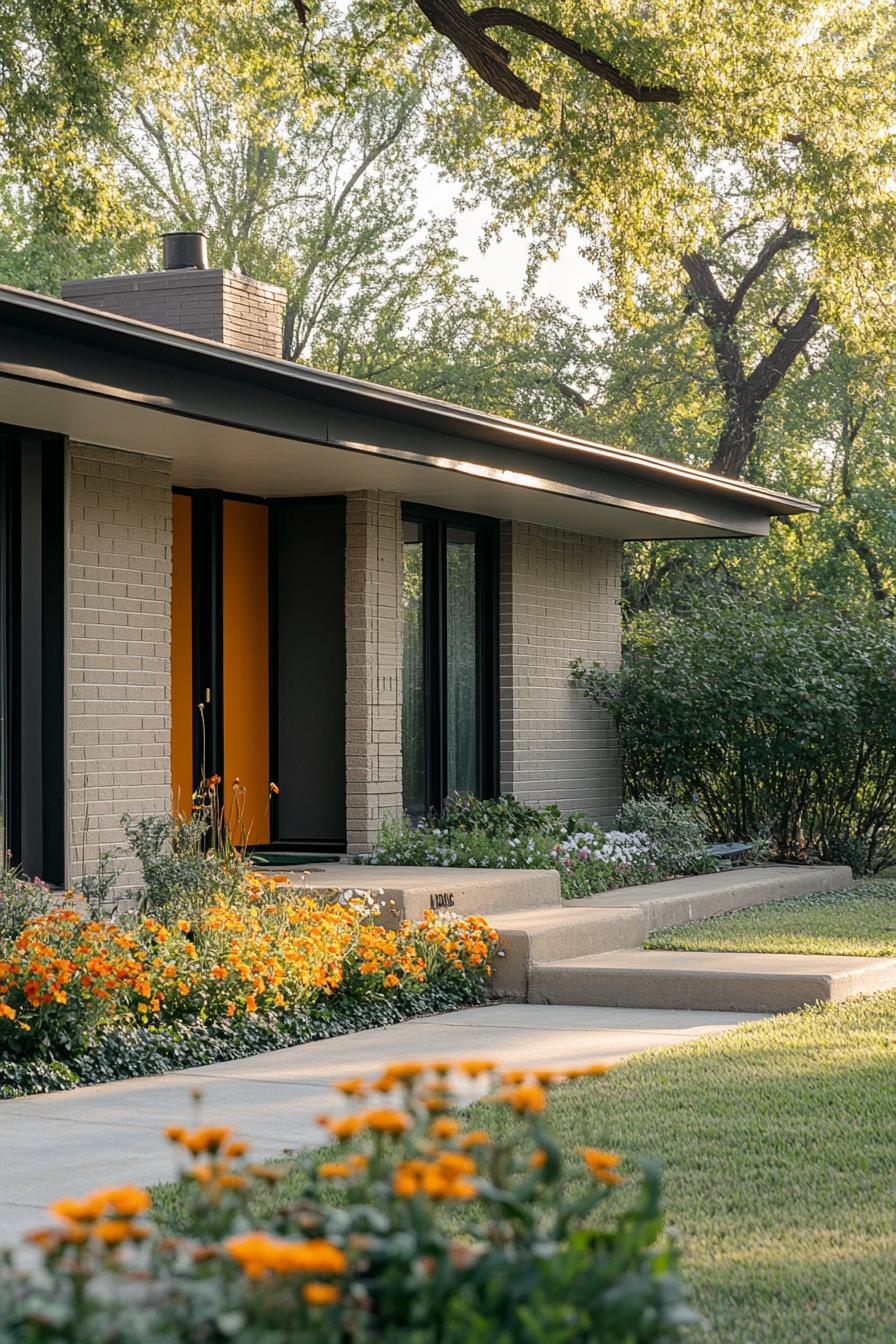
[
  {"x": 655, "y": 839},
  {"x": 83, "y": 1000},
  {"x": 437, "y": 1235}
]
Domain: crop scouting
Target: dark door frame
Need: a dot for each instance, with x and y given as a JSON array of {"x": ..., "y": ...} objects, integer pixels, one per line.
[
  {"x": 207, "y": 568},
  {"x": 434, "y": 524}
]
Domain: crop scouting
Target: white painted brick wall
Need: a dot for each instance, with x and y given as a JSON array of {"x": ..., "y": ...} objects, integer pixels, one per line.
[
  {"x": 373, "y": 579},
  {"x": 559, "y": 599},
  {"x": 119, "y": 618}
]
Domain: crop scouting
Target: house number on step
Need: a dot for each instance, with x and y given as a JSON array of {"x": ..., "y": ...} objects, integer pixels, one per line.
[{"x": 441, "y": 900}]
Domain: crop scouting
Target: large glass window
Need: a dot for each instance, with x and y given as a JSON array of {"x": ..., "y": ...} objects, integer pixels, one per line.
[
  {"x": 4, "y": 655},
  {"x": 449, "y": 692}
]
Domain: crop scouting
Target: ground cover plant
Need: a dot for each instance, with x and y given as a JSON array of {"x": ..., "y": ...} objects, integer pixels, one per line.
[
  {"x": 656, "y": 839},
  {"x": 85, "y": 1000},
  {"x": 857, "y": 922},
  {"x": 538, "y": 1258},
  {"x": 776, "y": 724}
]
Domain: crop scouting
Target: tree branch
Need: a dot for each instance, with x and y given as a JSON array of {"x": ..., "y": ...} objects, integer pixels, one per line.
[
  {"x": 497, "y": 16},
  {"x": 779, "y": 242},
  {"x": 468, "y": 33}
]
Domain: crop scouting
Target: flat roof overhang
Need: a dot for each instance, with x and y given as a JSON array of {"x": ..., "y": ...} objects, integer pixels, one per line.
[{"x": 254, "y": 425}]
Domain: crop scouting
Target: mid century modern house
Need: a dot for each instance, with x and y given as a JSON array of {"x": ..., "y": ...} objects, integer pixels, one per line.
[{"x": 373, "y": 594}]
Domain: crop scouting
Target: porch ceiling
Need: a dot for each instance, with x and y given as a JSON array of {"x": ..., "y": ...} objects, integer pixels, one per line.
[{"x": 246, "y": 424}]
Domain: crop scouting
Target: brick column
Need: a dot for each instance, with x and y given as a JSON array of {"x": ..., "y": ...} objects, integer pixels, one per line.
[
  {"x": 119, "y": 640},
  {"x": 559, "y": 599},
  {"x": 373, "y": 579}
]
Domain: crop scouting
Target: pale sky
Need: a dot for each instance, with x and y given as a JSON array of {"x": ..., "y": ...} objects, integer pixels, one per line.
[{"x": 503, "y": 266}]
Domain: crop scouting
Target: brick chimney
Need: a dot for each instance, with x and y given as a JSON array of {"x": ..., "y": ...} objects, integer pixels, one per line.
[{"x": 188, "y": 296}]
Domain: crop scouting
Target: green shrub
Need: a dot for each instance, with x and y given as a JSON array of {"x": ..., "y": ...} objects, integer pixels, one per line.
[
  {"x": 775, "y": 723},
  {"x": 181, "y": 871},
  {"x": 676, "y": 835},
  {"x": 414, "y": 1233}
]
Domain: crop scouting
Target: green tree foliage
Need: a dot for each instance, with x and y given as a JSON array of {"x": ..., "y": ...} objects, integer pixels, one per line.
[{"x": 774, "y": 724}]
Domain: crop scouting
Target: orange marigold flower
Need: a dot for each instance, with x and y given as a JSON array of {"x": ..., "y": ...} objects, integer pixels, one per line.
[
  {"x": 391, "y": 981},
  {"x": 331, "y": 1171},
  {"x": 538, "y": 1159},
  {"x": 601, "y": 1164},
  {"x": 251, "y": 1003},
  {"x": 444, "y": 1128},
  {"x": 320, "y": 1294},
  {"x": 128, "y": 1200},
  {"x": 346, "y": 1127},
  {"x": 474, "y": 1067},
  {"x": 219, "y": 973},
  {"x": 477, "y": 1138},
  {"x": 207, "y": 1140},
  {"x": 525, "y": 1099},
  {"x": 113, "y": 1231},
  {"x": 80, "y": 1210},
  {"x": 351, "y": 1087},
  {"x": 386, "y": 1121}
]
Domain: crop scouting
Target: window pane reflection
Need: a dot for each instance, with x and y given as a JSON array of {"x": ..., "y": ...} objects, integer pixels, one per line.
[
  {"x": 461, "y": 687},
  {"x": 413, "y": 710}
]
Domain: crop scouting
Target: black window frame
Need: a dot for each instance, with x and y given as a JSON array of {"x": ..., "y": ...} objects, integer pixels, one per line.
[
  {"x": 35, "y": 692},
  {"x": 434, "y": 524}
]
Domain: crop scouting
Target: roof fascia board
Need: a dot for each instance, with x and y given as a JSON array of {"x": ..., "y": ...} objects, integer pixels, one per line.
[{"x": 629, "y": 476}]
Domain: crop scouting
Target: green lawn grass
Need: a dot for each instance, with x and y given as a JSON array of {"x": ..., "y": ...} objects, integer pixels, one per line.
[
  {"x": 858, "y": 922},
  {"x": 777, "y": 1143}
]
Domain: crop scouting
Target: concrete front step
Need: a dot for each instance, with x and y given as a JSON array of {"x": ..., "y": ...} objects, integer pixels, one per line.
[
  {"x": 624, "y": 917},
  {"x": 684, "y": 899},
  {"x": 749, "y": 982},
  {"x": 408, "y": 892}
]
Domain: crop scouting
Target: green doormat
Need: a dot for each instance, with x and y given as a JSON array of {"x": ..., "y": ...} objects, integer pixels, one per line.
[{"x": 294, "y": 860}]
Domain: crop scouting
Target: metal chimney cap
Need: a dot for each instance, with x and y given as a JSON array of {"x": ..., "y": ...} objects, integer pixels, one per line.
[{"x": 184, "y": 250}]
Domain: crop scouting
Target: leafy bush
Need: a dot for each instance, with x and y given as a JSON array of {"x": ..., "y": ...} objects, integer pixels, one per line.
[
  {"x": 676, "y": 837},
  {"x": 181, "y": 871},
  {"x": 21, "y": 899},
  {"x": 415, "y": 1232},
  {"x": 504, "y": 833},
  {"x": 777, "y": 723},
  {"x": 67, "y": 982}
]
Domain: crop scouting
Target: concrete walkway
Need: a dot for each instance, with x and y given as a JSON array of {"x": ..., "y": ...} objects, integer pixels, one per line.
[{"x": 68, "y": 1143}]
